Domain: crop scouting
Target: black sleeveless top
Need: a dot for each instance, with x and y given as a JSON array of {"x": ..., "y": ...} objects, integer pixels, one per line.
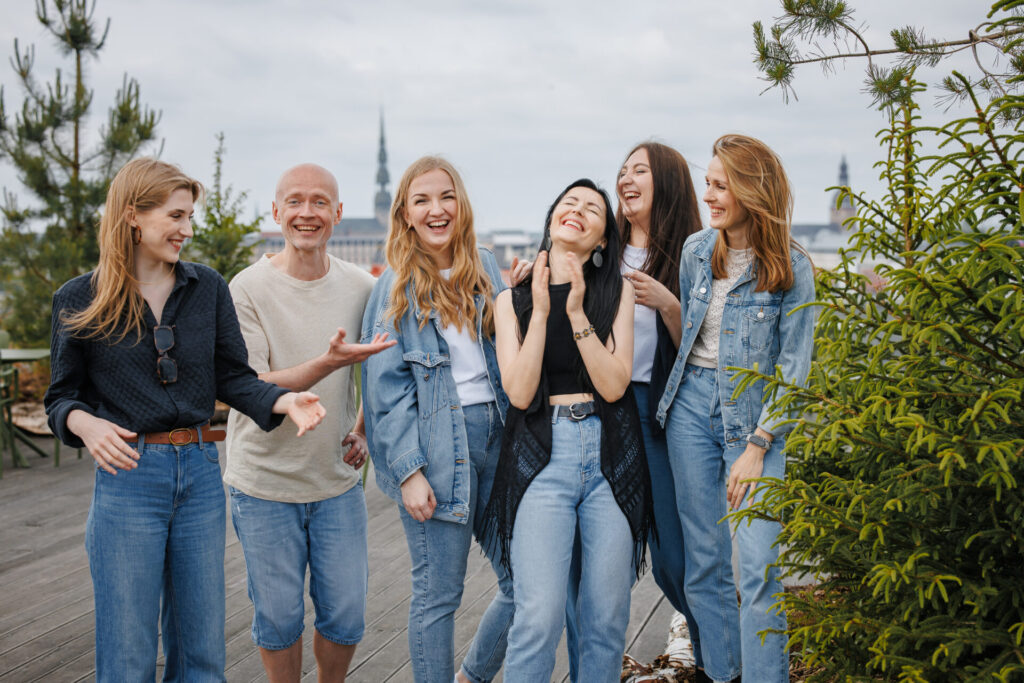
[{"x": 561, "y": 354}]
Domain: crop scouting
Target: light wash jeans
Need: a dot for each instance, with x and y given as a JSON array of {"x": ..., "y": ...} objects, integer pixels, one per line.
[
  {"x": 439, "y": 550},
  {"x": 280, "y": 540},
  {"x": 700, "y": 459},
  {"x": 570, "y": 493},
  {"x": 158, "y": 530},
  {"x": 668, "y": 562}
]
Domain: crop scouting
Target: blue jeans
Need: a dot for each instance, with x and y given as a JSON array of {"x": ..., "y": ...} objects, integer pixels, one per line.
[
  {"x": 668, "y": 563},
  {"x": 279, "y": 541},
  {"x": 570, "y": 493},
  {"x": 700, "y": 458},
  {"x": 159, "y": 529},
  {"x": 439, "y": 550}
]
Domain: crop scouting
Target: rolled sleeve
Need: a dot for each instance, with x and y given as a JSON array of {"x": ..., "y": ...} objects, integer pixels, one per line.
[{"x": 796, "y": 342}]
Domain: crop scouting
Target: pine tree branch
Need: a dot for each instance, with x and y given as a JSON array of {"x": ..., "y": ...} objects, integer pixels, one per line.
[{"x": 925, "y": 49}]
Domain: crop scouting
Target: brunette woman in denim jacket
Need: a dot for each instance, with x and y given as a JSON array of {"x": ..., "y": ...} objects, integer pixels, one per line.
[
  {"x": 745, "y": 287},
  {"x": 434, "y": 410},
  {"x": 142, "y": 348}
]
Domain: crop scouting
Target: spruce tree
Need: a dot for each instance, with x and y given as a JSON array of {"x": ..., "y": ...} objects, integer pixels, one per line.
[
  {"x": 49, "y": 232},
  {"x": 903, "y": 495},
  {"x": 221, "y": 238}
]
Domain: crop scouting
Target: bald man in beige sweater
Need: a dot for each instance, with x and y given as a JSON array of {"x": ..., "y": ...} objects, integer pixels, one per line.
[{"x": 299, "y": 504}]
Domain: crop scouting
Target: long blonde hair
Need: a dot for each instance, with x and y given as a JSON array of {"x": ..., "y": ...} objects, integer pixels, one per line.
[
  {"x": 760, "y": 185},
  {"x": 451, "y": 298},
  {"x": 117, "y": 307}
]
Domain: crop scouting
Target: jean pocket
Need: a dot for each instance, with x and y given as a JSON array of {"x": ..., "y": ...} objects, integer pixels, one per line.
[{"x": 211, "y": 453}]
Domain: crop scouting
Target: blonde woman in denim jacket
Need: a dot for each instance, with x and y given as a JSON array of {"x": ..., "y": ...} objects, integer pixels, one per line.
[
  {"x": 744, "y": 287},
  {"x": 435, "y": 410}
]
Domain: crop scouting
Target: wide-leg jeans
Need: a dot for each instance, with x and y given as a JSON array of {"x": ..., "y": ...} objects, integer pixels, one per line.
[
  {"x": 439, "y": 551},
  {"x": 700, "y": 458},
  {"x": 668, "y": 561},
  {"x": 158, "y": 530},
  {"x": 570, "y": 493}
]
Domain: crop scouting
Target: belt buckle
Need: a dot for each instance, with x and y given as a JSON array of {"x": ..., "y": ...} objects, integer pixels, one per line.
[
  {"x": 572, "y": 410},
  {"x": 188, "y": 436}
]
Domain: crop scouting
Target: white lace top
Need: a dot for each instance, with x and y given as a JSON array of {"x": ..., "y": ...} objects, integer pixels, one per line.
[{"x": 705, "y": 347}]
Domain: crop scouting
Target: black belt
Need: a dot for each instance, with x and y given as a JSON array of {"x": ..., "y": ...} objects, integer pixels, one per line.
[{"x": 575, "y": 411}]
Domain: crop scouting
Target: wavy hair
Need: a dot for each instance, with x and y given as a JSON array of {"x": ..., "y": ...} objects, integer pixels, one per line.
[
  {"x": 675, "y": 213},
  {"x": 117, "y": 306},
  {"x": 760, "y": 185},
  {"x": 603, "y": 285},
  {"x": 413, "y": 265}
]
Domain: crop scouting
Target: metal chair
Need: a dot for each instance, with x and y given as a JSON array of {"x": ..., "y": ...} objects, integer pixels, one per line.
[{"x": 8, "y": 394}]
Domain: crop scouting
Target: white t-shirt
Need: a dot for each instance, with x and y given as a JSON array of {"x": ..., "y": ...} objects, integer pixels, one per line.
[
  {"x": 469, "y": 370},
  {"x": 645, "y": 320}
]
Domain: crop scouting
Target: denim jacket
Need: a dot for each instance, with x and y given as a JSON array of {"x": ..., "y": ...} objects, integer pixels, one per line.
[
  {"x": 762, "y": 328},
  {"x": 410, "y": 401}
]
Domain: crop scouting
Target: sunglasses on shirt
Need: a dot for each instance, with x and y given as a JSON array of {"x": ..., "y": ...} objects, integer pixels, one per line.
[{"x": 166, "y": 368}]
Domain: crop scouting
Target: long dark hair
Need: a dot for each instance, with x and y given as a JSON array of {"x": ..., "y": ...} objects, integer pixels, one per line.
[
  {"x": 604, "y": 284},
  {"x": 675, "y": 214}
]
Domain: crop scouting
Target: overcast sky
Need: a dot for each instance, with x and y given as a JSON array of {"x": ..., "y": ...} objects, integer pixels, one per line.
[{"x": 523, "y": 96}]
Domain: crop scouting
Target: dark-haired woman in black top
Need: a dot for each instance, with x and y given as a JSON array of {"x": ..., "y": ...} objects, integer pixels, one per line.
[{"x": 572, "y": 456}]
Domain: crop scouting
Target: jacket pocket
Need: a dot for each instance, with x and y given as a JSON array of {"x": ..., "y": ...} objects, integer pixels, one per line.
[
  {"x": 430, "y": 387},
  {"x": 760, "y": 325}
]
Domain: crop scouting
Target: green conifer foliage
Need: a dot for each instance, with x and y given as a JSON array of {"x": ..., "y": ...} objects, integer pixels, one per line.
[
  {"x": 51, "y": 237},
  {"x": 220, "y": 239},
  {"x": 904, "y": 486}
]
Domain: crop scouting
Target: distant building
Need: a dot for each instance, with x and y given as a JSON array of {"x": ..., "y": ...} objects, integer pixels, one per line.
[
  {"x": 824, "y": 240},
  {"x": 510, "y": 244},
  {"x": 356, "y": 240}
]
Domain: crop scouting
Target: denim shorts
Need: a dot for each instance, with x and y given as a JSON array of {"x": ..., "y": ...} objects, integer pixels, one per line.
[{"x": 279, "y": 540}]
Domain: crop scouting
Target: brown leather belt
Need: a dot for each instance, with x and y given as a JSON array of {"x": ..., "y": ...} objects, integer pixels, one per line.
[{"x": 184, "y": 436}]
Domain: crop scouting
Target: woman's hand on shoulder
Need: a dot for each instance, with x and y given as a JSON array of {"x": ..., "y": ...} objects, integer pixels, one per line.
[
  {"x": 303, "y": 408},
  {"x": 418, "y": 497},
  {"x": 104, "y": 440},
  {"x": 518, "y": 271}
]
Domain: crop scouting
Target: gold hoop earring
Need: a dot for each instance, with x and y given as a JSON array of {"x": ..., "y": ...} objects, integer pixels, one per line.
[{"x": 136, "y": 235}]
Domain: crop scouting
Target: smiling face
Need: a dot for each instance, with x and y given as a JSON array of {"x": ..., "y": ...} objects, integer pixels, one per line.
[
  {"x": 578, "y": 221},
  {"x": 726, "y": 212},
  {"x": 306, "y": 207},
  {"x": 432, "y": 210},
  {"x": 164, "y": 229},
  {"x": 635, "y": 188}
]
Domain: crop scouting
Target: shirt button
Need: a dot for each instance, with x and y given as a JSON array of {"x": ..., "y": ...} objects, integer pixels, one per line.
[
  {"x": 703, "y": 290},
  {"x": 689, "y": 324},
  {"x": 760, "y": 314}
]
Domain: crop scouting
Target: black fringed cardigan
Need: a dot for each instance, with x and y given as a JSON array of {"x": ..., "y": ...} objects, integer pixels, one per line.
[{"x": 526, "y": 450}]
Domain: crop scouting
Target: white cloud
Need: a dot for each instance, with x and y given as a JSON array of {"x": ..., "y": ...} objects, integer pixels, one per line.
[{"x": 522, "y": 96}]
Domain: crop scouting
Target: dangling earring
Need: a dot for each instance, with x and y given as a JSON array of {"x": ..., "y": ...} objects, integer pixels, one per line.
[
  {"x": 597, "y": 258},
  {"x": 136, "y": 235}
]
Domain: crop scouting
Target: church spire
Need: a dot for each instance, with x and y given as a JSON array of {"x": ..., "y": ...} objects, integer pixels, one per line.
[
  {"x": 382, "y": 201},
  {"x": 839, "y": 212}
]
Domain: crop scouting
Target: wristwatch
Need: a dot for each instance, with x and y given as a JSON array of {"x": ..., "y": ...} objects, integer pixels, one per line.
[{"x": 759, "y": 441}]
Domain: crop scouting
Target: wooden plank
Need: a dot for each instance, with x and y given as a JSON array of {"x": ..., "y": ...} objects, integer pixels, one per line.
[{"x": 46, "y": 610}]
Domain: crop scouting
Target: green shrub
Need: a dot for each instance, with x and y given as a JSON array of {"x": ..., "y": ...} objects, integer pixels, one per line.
[{"x": 904, "y": 492}]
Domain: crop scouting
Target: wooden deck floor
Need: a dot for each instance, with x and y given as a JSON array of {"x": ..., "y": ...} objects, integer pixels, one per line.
[{"x": 46, "y": 603}]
